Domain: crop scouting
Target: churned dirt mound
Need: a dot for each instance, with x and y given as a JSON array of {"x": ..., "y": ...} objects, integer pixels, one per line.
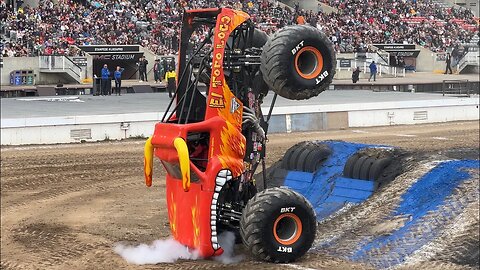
[{"x": 66, "y": 206}]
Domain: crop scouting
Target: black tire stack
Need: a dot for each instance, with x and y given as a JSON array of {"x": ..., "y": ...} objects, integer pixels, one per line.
[
  {"x": 305, "y": 156},
  {"x": 364, "y": 167}
]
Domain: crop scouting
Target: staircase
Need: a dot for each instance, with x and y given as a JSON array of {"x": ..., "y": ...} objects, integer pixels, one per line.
[
  {"x": 61, "y": 65},
  {"x": 471, "y": 59}
]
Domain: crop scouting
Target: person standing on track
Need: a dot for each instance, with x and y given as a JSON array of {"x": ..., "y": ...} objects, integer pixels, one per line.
[
  {"x": 142, "y": 69},
  {"x": 448, "y": 61},
  {"x": 117, "y": 75},
  {"x": 105, "y": 80},
  {"x": 373, "y": 71},
  {"x": 171, "y": 78},
  {"x": 356, "y": 75},
  {"x": 158, "y": 71}
]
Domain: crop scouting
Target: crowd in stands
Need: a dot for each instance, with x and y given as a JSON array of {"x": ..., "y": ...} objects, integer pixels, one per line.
[
  {"x": 54, "y": 27},
  {"x": 427, "y": 23}
]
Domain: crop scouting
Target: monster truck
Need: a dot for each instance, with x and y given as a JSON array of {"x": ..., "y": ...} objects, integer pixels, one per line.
[{"x": 212, "y": 136}]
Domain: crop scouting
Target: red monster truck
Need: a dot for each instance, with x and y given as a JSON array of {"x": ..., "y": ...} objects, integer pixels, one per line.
[{"x": 212, "y": 139}]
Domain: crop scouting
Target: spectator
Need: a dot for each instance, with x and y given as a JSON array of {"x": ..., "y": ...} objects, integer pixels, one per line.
[
  {"x": 158, "y": 71},
  {"x": 373, "y": 71},
  {"x": 61, "y": 24},
  {"x": 300, "y": 19},
  {"x": 118, "y": 80},
  {"x": 171, "y": 78},
  {"x": 106, "y": 81},
  {"x": 142, "y": 69},
  {"x": 448, "y": 61},
  {"x": 356, "y": 75}
]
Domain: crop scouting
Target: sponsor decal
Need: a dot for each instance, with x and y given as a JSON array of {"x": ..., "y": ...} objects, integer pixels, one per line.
[
  {"x": 298, "y": 47},
  {"x": 321, "y": 77},
  {"x": 216, "y": 101},
  {"x": 284, "y": 249},
  {"x": 222, "y": 30},
  {"x": 287, "y": 209},
  {"x": 234, "y": 105}
]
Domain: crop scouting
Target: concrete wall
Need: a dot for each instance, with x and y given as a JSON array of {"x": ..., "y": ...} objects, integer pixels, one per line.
[
  {"x": 428, "y": 61},
  {"x": 410, "y": 116},
  {"x": 150, "y": 56},
  {"x": 30, "y": 63},
  {"x": 50, "y": 130},
  {"x": 17, "y": 63}
]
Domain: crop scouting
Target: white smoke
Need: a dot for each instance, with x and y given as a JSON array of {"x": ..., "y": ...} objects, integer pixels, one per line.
[
  {"x": 160, "y": 251},
  {"x": 169, "y": 251},
  {"x": 227, "y": 242}
]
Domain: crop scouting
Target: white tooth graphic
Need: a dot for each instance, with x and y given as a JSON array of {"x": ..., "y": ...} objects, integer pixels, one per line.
[
  {"x": 223, "y": 173},
  {"x": 220, "y": 181}
]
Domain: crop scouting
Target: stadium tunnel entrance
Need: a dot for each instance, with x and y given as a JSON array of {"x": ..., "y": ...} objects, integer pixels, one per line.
[
  {"x": 401, "y": 55},
  {"x": 125, "y": 56}
]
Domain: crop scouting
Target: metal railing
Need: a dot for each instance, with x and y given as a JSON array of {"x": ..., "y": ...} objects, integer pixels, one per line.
[
  {"x": 456, "y": 88},
  {"x": 381, "y": 69},
  {"x": 59, "y": 63},
  {"x": 471, "y": 58}
]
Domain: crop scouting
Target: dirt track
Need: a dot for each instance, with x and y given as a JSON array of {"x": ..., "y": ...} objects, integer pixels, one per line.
[{"x": 65, "y": 206}]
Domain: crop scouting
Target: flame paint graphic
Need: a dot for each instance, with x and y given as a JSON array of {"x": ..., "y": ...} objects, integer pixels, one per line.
[
  {"x": 196, "y": 227},
  {"x": 173, "y": 216},
  {"x": 233, "y": 142}
]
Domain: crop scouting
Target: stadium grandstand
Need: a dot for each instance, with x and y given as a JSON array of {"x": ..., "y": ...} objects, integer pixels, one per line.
[
  {"x": 49, "y": 27},
  {"x": 67, "y": 42}
]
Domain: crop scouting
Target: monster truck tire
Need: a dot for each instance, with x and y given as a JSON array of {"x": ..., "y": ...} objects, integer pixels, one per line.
[
  {"x": 278, "y": 225},
  {"x": 348, "y": 168},
  {"x": 358, "y": 167},
  {"x": 259, "y": 38},
  {"x": 298, "y": 62},
  {"x": 259, "y": 85}
]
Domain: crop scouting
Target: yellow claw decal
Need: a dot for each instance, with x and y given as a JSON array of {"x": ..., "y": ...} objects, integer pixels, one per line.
[
  {"x": 148, "y": 161},
  {"x": 184, "y": 159}
]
